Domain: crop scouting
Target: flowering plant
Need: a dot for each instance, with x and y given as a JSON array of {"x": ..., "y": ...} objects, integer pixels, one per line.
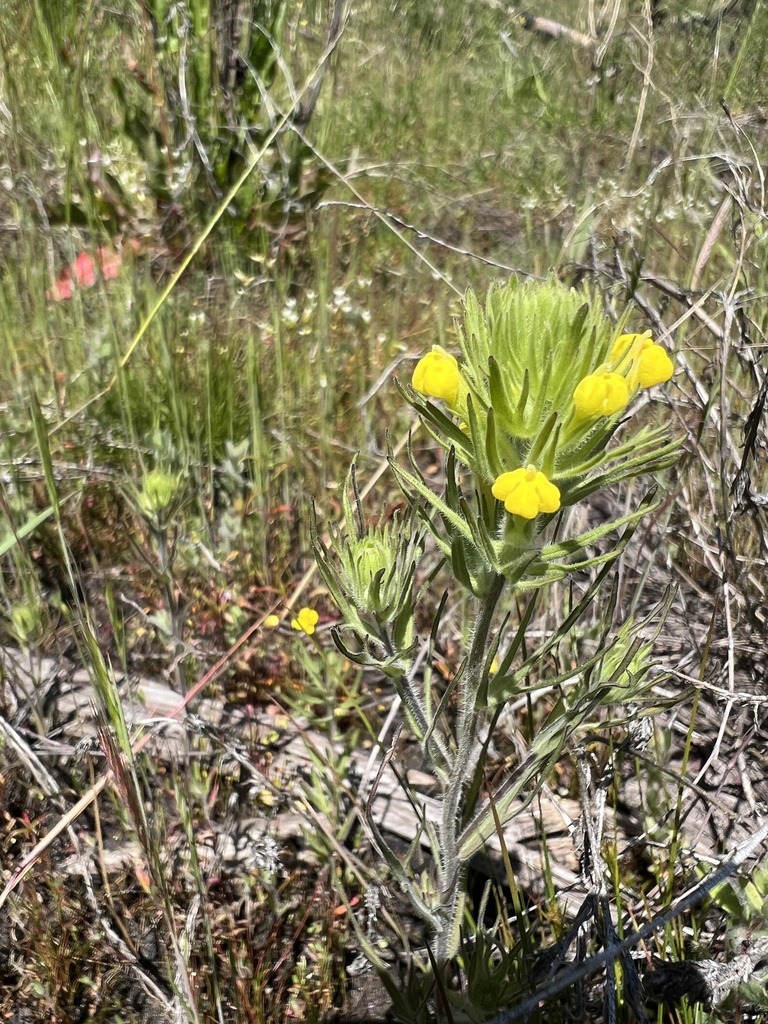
[
  {"x": 530, "y": 411},
  {"x": 526, "y": 416}
]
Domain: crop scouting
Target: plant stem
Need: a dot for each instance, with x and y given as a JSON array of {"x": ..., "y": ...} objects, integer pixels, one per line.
[
  {"x": 451, "y": 867},
  {"x": 165, "y": 556}
]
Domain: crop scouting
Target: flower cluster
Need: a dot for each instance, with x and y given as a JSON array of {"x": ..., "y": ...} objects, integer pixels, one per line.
[
  {"x": 538, "y": 393},
  {"x": 636, "y": 362}
]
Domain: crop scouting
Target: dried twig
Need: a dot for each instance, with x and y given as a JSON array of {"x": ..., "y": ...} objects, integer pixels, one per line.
[{"x": 554, "y": 29}]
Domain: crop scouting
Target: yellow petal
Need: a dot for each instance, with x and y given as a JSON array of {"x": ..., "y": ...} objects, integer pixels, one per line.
[
  {"x": 549, "y": 494},
  {"x": 271, "y": 621},
  {"x": 506, "y": 483},
  {"x": 523, "y": 501},
  {"x": 627, "y": 344},
  {"x": 601, "y": 394},
  {"x": 654, "y": 366},
  {"x": 526, "y": 492},
  {"x": 437, "y": 375}
]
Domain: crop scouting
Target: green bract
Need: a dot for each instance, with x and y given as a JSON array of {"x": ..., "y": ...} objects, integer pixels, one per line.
[
  {"x": 158, "y": 495},
  {"x": 371, "y": 579}
]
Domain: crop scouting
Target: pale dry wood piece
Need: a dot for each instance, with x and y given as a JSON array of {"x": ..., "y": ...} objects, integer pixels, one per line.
[{"x": 554, "y": 29}]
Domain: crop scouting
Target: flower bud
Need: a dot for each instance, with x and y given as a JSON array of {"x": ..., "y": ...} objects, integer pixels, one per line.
[
  {"x": 159, "y": 491},
  {"x": 601, "y": 394},
  {"x": 641, "y": 360}
]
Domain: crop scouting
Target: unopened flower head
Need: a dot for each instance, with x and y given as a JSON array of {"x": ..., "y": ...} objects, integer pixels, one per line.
[
  {"x": 27, "y": 620},
  {"x": 377, "y": 567},
  {"x": 526, "y": 492},
  {"x": 372, "y": 556},
  {"x": 158, "y": 494},
  {"x": 437, "y": 376},
  {"x": 370, "y": 573}
]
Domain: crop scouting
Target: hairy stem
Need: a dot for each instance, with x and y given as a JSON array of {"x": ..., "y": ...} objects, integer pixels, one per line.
[{"x": 472, "y": 678}]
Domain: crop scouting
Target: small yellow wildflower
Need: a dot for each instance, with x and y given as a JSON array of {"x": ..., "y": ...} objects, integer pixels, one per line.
[
  {"x": 526, "y": 492},
  {"x": 306, "y": 620},
  {"x": 437, "y": 375},
  {"x": 648, "y": 362},
  {"x": 601, "y": 394},
  {"x": 271, "y": 621}
]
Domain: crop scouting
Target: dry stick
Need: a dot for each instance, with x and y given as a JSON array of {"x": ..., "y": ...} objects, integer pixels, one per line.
[
  {"x": 591, "y": 20},
  {"x": 709, "y": 242},
  {"x": 686, "y": 902},
  {"x": 554, "y": 29},
  {"x": 684, "y": 298},
  {"x": 646, "y": 86},
  {"x": 725, "y": 344},
  {"x": 387, "y": 215},
  {"x": 608, "y": 36}
]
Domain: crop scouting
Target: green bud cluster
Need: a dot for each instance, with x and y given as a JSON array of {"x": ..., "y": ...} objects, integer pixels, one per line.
[
  {"x": 371, "y": 579},
  {"x": 158, "y": 496}
]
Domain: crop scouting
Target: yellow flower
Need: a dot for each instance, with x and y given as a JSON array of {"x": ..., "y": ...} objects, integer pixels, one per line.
[
  {"x": 601, "y": 394},
  {"x": 306, "y": 621},
  {"x": 437, "y": 375},
  {"x": 654, "y": 366},
  {"x": 271, "y": 621},
  {"x": 526, "y": 492},
  {"x": 643, "y": 362}
]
